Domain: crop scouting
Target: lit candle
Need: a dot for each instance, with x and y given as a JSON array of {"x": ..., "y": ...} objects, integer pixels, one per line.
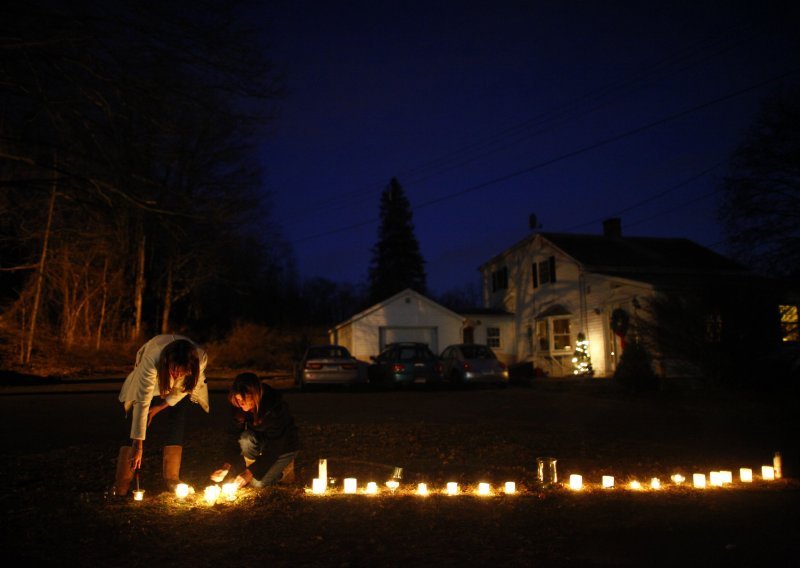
[
  {"x": 229, "y": 490},
  {"x": 608, "y": 481},
  {"x": 726, "y": 477},
  {"x": 746, "y": 474},
  {"x": 510, "y": 488},
  {"x": 452, "y": 488},
  {"x": 392, "y": 485},
  {"x": 635, "y": 485},
  {"x": 181, "y": 490},
  {"x": 138, "y": 495},
  {"x": 350, "y": 485},
  {"x": 323, "y": 470},
  {"x": 699, "y": 480},
  {"x": 655, "y": 483},
  {"x": 372, "y": 488},
  {"x": 422, "y": 489},
  {"x": 211, "y": 494},
  {"x": 484, "y": 489},
  {"x": 575, "y": 482},
  {"x": 318, "y": 486},
  {"x": 715, "y": 479},
  {"x": 767, "y": 472},
  {"x": 677, "y": 479}
]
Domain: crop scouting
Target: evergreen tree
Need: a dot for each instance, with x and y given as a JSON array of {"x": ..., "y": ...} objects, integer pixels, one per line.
[{"x": 397, "y": 262}]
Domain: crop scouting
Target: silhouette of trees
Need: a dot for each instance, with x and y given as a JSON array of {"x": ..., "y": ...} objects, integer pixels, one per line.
[
  {"x": 397, "y": 262},
  {"x": 138, "y": 121},
  {"x": 761, "y": 200}
]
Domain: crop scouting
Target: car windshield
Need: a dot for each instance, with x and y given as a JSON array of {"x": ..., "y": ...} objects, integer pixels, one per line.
[
  {"x": 326, "y": 352},
  {"x": 414, "y": 353},
  {"x": 477, "y": 352}
]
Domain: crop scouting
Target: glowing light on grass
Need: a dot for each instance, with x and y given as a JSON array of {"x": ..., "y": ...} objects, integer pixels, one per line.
[
  {"x": 229, "y": 491},
  {"x": 484, "y": 489},
  {"x": 715, "y": 479},
  {"x": 677, "y": 479},
  {"x": 181, "y": 490},
  {"x": 452, "y": 488},
  {"x": 575, "y": 482},
  {"x": 635, "y": 485},
  {"x": 392, "y": 485},
  {"x": 318, "y": 486},
  {"x": 422, "y": 489},
  {"x": 372, "y": 488},
  {"x": 699, "y": 480},
  {"x": 608, "y": 481},
  {"x": 138, "y": 495},
  {"x": 211, "y": 494},
  {"x": 767, "y": 472},
  {"x": 746, "y": 474},
  {"x": 350, "y": 485},
  {"x": 510, "y": 488},
  {"x": 323, "y": 470},
  {"x": 726, "y": 477},
  {"x": 655, "y": 483}
]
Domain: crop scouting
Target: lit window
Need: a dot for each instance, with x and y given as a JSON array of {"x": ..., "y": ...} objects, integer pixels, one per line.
[
  {"x": 493, "y": 337},
  {"x": 789, "y": 320},
  {"x": 542, "y": 336},
  {"x": 561, "y": 335}
]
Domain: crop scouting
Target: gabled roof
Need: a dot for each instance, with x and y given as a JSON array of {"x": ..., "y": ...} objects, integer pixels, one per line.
[
  {"x": 387, "y": 301},
  {"x": 649, "y": 259},
  {"x": 633, "y": 255}
]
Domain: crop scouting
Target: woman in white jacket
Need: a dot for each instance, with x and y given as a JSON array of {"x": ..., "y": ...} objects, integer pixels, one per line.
[{"x": 172, "y": 367}]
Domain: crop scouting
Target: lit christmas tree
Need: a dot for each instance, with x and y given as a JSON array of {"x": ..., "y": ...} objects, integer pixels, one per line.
[{"x": 582, "y": 361}]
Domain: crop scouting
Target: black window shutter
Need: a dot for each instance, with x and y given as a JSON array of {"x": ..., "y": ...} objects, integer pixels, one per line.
[
  {"x": 552, "y": 269},
  {"x": 535, "y": 275}
]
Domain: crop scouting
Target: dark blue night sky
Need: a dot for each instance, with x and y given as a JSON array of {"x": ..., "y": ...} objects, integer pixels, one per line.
[{"x": 489, "y": 112}]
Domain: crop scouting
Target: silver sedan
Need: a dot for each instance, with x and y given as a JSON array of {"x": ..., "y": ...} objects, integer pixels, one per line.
[
  {"x": 329, "y": 365},
  {"x": 469, "y": 363}
]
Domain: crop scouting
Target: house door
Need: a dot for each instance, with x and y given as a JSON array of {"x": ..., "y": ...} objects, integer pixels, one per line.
[{"x": 468, "y": 334}]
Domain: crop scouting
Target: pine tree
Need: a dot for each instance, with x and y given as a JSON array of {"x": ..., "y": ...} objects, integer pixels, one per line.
[{"x": 397, "y": 262}]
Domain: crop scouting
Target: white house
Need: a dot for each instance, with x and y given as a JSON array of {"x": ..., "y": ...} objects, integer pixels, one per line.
[
  {"x": 410, "y": 316},
  {"x": 561, "y": 285}
]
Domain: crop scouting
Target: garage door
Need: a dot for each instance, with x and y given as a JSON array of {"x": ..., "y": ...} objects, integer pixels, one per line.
[{"x": 422, "y": 334}]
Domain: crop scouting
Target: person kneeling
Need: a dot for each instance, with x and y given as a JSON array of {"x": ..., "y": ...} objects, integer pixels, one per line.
[{"x": 266, "y": 433}]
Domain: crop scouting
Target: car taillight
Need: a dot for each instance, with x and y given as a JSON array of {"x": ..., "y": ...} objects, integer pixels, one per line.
[
  {"x": 398, "y": 368},
  {"x": 465, "y": 366},
  {"x": 438, "y": 368},
  {"x": 314, "y": 366},
  {"x": 349, "y": 366},
  {"x": 502, "y": 365}
]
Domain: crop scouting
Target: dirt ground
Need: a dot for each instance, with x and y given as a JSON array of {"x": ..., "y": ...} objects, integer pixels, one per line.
[{"x": 58, "y": 453}]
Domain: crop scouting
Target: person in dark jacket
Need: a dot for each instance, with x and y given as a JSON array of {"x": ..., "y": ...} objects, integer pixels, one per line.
[{"x": 266, "y": 433}]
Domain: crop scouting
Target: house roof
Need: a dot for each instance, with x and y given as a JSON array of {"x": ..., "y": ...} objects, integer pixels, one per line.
[
  {"x": 648, "y": 259},
  {"x": 387, "y": 301}
]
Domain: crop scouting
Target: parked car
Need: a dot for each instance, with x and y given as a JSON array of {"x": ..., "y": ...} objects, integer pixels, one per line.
[
  {"x": 469, "y": 363},
  {"x": 405, "y": 363},
  {"x": 329, "y": 365}
]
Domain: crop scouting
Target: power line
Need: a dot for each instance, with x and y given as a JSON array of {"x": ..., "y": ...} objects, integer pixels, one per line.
[
  {"x": 546, "y": 120},
  {"x": 573, "y": 153}
]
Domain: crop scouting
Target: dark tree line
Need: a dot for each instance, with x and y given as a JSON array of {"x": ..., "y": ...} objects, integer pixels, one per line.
[{"x": 130, "y": 197}]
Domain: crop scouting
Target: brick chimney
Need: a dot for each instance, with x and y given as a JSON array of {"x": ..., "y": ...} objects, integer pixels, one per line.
[{"x": 612, "y": 227}]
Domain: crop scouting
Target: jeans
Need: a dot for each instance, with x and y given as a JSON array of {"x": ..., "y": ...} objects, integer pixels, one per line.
[{"x": 252, "y": 447}]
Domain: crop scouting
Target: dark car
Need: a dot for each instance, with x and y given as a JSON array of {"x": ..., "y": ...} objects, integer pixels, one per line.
[
  {"x": 472, "y": 363},
  {"x": 406, "y": 363},
  {"x": 329, "y": 365}
]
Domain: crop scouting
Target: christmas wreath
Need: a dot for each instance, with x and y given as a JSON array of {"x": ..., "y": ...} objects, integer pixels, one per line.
[{"x": 620, "y": 320}]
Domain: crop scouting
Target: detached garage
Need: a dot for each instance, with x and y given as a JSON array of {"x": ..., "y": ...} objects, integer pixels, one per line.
[{"x": 406, "y": 316}]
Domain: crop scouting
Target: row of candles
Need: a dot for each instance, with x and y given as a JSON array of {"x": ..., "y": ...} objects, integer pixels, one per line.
[
  {"x": 699, "y": 480},
  {"x": 319, "y": 485}
]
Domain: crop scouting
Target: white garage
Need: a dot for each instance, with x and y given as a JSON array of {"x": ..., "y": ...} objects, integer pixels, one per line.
[{"x": 406, "y": 316}]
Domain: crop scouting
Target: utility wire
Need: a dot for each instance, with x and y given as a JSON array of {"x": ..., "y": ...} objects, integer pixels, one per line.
[{"x": 573, "y": 153}]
